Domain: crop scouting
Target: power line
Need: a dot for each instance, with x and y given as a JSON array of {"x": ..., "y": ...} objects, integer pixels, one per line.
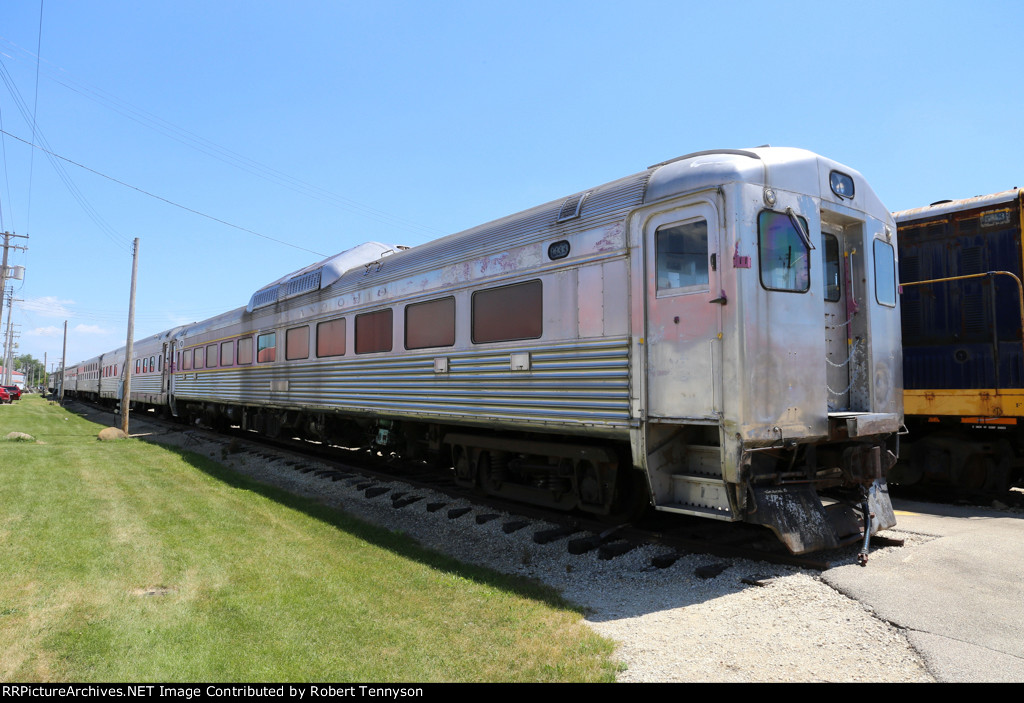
[
  {"x": 158, "y": 197},
  {"x": 118, "y": 239},
  {"x": 221, "y": 153}
]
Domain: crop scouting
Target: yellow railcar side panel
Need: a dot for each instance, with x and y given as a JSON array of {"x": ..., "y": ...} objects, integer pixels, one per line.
[{"x": 974, "y": 402}]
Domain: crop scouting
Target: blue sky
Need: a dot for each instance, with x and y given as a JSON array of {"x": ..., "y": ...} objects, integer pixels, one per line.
[{"x": 326, "y": 124}]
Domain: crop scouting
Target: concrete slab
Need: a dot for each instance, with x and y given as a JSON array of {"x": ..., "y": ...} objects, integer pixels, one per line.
[{"x": 959, "y": 595}]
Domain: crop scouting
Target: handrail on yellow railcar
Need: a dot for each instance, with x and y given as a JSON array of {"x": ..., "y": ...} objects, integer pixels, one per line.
[{"x": 989, "y": 274}]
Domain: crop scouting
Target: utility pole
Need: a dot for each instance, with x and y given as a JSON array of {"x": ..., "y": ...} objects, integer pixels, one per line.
[
  {"x": 63, "y": 360},
  {"x": 126, "y": 398},
  {"x": 8, "y": 358},
  {"x": 16, "y": 272}
]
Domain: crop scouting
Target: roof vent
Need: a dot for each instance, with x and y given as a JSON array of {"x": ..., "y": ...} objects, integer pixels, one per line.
[
  {"x": 572, "y": 207},
  {"x": 264, "y": 297},
  {"x": 301, "y": 284}
]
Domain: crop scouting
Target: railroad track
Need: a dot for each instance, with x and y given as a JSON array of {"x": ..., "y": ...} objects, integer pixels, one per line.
[{"x": 376, "y": 476}]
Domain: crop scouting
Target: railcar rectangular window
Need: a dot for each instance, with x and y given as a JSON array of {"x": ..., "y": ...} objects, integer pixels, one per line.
[
  {"x": 430, "y": 324},
  {"x": 145, "y": 365},
  {"x": 682, "y": 256},
  {"x": 266, "y": 347},
  {"x": 508, "y": 313},
  {"x": 296, "y": 343},
  {"x": 244, "y": 351},
  {"x": 186, "y": 361},
  {"x": 832, "y": 267},
  {"x": 138, "y": 366},
  {"x": 885, "y": 273},
  {"x": 198, "y": 355},
  {"x": 227, "y": 353},
  {"x": 374, "y": 332},
  {"x": 152, "y": 364},
  {"x": 330, "y": 338},
  {"x": 211, "y": 356},
  {"x": 784, "y": 256}
]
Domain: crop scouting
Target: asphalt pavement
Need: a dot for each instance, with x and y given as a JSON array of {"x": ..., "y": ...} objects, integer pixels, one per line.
[{"x": 959, "y": 595}]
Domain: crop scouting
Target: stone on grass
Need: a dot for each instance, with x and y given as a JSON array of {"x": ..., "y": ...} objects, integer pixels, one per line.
[{"x": 110, "y": 433}]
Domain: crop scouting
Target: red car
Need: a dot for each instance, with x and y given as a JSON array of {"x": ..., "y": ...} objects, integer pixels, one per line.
[
  {"x": 14, "y": 392},
  {"x": 5, "y": 397}
]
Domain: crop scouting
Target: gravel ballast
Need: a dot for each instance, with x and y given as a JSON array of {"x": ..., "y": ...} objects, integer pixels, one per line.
[{"x": 752, "y": 622}]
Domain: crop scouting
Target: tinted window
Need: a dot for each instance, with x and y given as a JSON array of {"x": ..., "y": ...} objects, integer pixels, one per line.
[
  {"x": 330, "y": 338},
  {"x": 507, "y": 313},
  {"x": 245, "y": 351},
  {"x": 211, "y": 356},
  {"x": 373, "y": 332},
  {"x": 430, "y": 324},
  {"x": 832, "y": 268},
  {"x": 227, "y": 353},
  {"x": 885, "y": 273},
  {"x": 266, "y": 347},
  {"x": 197, "y": 357},
  {"x": 784, "y": 261},
  {"x": 682, "y": 256},
  {"x": 296, "y": 343},
  {"x": 186, "y": 361}
]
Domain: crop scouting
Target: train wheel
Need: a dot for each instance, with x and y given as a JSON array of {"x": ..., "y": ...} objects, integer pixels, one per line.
[
  {"x": 632, "y": 498},
  {"x": 490, "y": 474}
]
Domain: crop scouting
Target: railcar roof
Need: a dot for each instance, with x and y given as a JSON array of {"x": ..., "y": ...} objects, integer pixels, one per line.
[{"x": 945, "y": 207}]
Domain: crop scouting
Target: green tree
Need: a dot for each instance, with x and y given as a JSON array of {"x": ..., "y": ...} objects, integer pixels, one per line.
[{"x": 31, "y": 367}]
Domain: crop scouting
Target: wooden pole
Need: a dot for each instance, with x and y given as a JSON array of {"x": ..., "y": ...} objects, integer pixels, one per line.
[
  {"x": 63, "y": 363},
  {"x": 126, "y": 397}
]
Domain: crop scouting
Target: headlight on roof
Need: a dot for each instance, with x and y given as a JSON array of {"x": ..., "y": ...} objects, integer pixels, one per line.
[{"x": 842, "y": 185}]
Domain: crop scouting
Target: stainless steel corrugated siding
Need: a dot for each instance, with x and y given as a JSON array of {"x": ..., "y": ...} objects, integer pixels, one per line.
[
  {"x": 574, "y": 384},
  {"x": 605, "y": 205}
]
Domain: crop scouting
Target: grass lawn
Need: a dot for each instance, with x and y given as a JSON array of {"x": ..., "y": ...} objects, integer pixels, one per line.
[{"x": 126, "y": 561}]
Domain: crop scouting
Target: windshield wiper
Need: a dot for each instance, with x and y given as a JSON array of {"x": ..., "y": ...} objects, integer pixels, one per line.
[{"x": 799, "y": 227}]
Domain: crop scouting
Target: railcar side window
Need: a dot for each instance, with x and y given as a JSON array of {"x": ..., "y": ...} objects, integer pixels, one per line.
[
  {"x": 152, "y": 364},
  {"x": 374, "y": 332},
  {"x": 198, "y": 354},
  {"x": 245, "y": 351},
  {"x": 885, "y": 273},
  {"x": 266, "y": 347},
  {"x": 296, "y": 343},
  {"x": 430, "y": 324},
  {"x": 832, "y": 268},
  {"x": 784, "y": 257},
  {"x": 330, "y": 338},
  {"x": 508, "y": 313},
  {"x": 227, "y": 353},
  {"x": 211, "y": 356},
  {"x": 186, "y": 361},
  {"x": 138, "y": 366},
  {"x": 682, "y": 256}
]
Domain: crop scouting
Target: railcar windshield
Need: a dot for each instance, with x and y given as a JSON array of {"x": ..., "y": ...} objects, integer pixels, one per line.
[{"x": 784, "y": 256}]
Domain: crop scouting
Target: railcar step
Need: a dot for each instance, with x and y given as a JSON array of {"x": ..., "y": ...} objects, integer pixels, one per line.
[{"x": 700, "y": 495}]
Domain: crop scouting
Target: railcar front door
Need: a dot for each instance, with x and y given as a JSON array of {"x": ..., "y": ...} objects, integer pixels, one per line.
[
  {"x": 839, "y": 311},
  {"x": 684, "y": 312}
]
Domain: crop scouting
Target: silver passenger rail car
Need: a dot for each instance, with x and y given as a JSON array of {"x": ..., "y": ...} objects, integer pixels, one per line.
[{"x": 717, "y": 335}]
